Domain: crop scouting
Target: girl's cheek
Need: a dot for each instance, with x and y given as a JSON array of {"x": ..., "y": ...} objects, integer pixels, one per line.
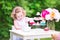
[{"x": 18, "y": 18}]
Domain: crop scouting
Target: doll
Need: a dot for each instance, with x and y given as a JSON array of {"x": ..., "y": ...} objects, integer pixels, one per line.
[
  {"x": 43, "y": 23},
  {"x": 55, "y": 36}
]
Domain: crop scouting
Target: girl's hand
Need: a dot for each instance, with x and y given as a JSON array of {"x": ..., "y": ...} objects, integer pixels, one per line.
[{"x": 18, "y": 28}]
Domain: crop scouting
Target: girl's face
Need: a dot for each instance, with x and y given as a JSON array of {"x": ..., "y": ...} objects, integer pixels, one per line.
[{"x": 19, "y": 16}]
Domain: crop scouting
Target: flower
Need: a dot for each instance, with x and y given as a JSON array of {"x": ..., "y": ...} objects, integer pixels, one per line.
[
  {"x": 50, "y": 14},
  {"x": 44, "y": 13}
]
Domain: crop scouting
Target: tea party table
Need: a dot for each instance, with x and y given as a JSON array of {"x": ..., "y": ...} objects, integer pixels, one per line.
[{"x": 32, "y": 34}]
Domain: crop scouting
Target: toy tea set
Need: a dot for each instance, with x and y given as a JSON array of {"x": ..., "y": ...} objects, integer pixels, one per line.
[{"x": 38, "y": 22}]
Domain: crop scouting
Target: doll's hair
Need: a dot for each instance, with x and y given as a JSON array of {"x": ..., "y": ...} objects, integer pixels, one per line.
[
  {"x": 17, "y": 9},
  {"x": 53, "y": 36}
]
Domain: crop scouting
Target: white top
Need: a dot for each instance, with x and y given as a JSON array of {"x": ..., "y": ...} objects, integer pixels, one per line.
[{"x": 23, "y": 24}]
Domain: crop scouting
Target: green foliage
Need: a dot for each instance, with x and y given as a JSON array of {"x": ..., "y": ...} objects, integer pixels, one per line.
[
  {"x": 31, "y": 7},
  {"x": 46, "y": 39}
]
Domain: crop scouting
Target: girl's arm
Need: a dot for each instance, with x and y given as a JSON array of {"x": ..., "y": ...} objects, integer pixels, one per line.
[
  {"x": 16, "y": 25},
  {"x": 29, "y": 19}
]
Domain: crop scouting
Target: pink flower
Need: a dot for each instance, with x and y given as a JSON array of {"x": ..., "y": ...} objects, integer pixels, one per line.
[
  {"x": 31, "y": 23},
  {"x": 44, "y": 13}
]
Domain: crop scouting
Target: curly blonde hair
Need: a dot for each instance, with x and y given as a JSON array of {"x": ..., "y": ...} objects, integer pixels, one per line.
[{"x": 17, "y": 9}]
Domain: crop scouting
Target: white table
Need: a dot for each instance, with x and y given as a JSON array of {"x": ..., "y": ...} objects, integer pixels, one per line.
[{"x": 33, "y": 33}]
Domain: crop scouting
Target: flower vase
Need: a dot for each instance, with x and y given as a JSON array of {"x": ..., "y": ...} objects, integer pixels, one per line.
[{"x": 51, "y": 24}]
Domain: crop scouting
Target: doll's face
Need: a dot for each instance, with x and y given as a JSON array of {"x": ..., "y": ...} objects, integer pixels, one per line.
[{"x": 19, "y": 16}]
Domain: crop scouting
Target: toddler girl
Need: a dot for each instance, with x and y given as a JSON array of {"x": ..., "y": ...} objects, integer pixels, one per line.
[{"x": 20, "y": 20}]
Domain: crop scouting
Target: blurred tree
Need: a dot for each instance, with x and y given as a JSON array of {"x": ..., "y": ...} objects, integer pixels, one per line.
[{"x": 31, "y": 7}]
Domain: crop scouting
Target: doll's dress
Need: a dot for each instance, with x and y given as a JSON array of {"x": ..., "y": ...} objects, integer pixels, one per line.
[
  {"x": 58, "y": 37},
  {"x": 42, "y": 23}
]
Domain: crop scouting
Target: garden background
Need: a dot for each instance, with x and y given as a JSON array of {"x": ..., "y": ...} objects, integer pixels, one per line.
[{"x": 31, "y": 7}]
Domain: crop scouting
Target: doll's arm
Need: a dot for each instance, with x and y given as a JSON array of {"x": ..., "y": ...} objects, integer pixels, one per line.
[{"x": 16, "y": 25}]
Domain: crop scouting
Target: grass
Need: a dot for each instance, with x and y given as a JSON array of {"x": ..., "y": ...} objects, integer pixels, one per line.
[{"x": 44, "y": 39}]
